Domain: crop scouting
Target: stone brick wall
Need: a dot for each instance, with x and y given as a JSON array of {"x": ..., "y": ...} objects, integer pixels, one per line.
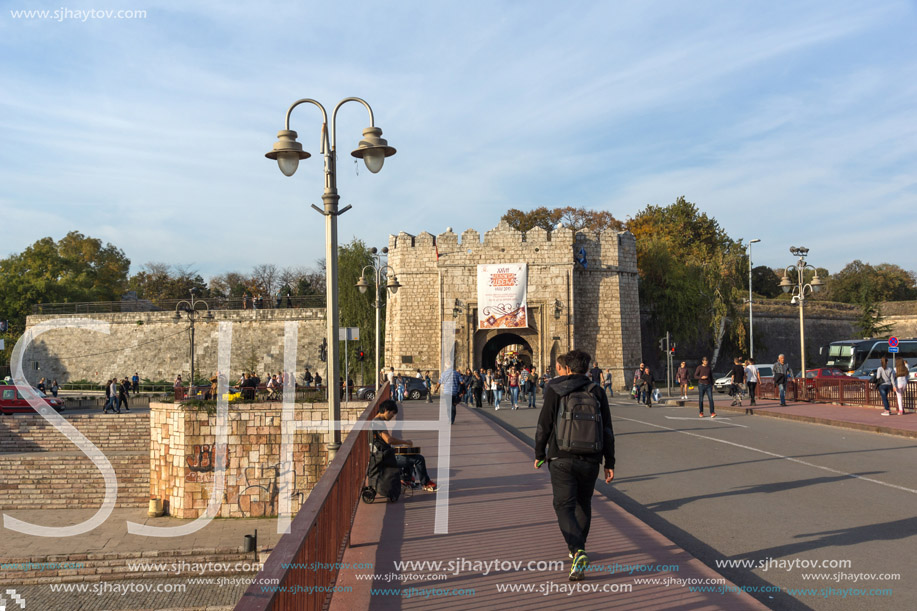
[
  {"x": 181, "y": 458},
  {"x": 41, "y": 469},
  {"x": 596, "y": 309},
  {"x": 155, "y": 346}
]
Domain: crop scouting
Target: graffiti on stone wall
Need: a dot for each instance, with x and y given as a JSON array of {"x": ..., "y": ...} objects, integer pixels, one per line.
[
  {"x": 201, "y": 462},
  {"x": 259, "y": 496}
]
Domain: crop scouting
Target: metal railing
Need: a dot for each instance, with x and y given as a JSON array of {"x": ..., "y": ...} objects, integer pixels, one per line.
[
  {"x": 303, "y": 394},
  {"x": 169, "y": 305},
  {"x": 317, "y": 534},
  {"x": 839, "y": 391}
]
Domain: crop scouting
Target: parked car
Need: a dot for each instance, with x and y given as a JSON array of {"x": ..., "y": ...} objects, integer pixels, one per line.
[
  {"x": 722, "y": 384},
  {"x": 821, "y": 374},
  {"x": 414, "y": 388},
  {"x": 13, "y": 402}
]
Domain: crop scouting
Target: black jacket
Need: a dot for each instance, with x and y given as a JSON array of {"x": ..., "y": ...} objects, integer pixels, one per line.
[{"x": 545, "y": 442}]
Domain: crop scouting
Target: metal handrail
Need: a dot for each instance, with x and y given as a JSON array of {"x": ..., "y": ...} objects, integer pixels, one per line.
[
  {"x": 838, "y": 391},
  {"x": 169, "y": 305},
  {"x": 318, "y": 532}
]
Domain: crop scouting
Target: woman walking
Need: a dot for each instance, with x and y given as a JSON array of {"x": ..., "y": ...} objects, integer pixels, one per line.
[
  {"x": 901, "y": 371},
  {"x": 514, "y": 387},
  {"x": 751, "y": 379},
  {"x": 499, "y": 387},
  {"x": 647, "y": 381},
  {"x": 681, "y": 376},
  {"x": 885, "y": 376}
]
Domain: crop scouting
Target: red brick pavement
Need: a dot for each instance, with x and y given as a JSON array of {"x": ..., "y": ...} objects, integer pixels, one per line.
[
  {"x": 500, "y": 509},
  {"x": 846, "y": 416}
]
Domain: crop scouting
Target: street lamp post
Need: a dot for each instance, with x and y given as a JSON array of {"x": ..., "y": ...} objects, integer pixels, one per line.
[
  {"x": 391, "y": 285},
  {"x": 751, "y": 327},
  {"x": 373, "y": 149},
  {"x": 799, "y": 294},
  {"x": 190, "y": 310}
]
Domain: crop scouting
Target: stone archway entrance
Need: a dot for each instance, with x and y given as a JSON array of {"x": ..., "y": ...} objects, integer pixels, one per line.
[{"x": 493, "y": 346}]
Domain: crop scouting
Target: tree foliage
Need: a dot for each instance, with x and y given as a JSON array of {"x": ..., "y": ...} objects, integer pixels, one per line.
[
  {"x": 76, "y": 268},
  {"x": 864, "y": 284},
  {"x": 158, "y": 281},
  {"x": 356, "y": 308},
  {"x": 766, "y": 282},
  {"x": 577, "y": 219},
  {"x": 692, "y": 273}
]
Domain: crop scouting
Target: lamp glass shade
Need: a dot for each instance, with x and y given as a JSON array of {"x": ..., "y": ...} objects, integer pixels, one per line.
[
  {"x": 394, "y": 285},
  {"x": 288, "y": 162},
  {"x": 374, "y": 158},
  {"x": 785, "y": 283}
]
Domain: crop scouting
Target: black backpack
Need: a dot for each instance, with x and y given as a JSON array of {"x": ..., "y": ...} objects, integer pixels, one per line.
[{"x": 579, "y": 428}]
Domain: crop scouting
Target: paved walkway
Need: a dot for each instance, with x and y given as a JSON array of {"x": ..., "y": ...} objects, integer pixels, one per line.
[
  {"x": 847, "y": 416},
  {"x": 500, "y": 510}
]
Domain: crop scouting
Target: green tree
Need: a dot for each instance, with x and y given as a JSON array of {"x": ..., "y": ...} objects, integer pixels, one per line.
[
  {"x": 77, "y": 268},
  {"x": 357, "y": 309},
  {"x": 871, "y": 322},
  {"x": 692, "y": 273},
  {"x": 862, "y": 283},
  {"x": 765, "y": 282}
]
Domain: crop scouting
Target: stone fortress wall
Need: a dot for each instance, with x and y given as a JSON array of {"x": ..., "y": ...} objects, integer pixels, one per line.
[
  {"x": 157, "y": 347},
  {"x": 594, "y": 308}
]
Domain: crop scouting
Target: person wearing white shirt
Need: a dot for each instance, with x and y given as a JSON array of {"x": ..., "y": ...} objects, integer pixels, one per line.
[
  {"x": 885, "y": 378},
  {"x": 751, "y": 378},
  {"x": 901, "y": 371}
]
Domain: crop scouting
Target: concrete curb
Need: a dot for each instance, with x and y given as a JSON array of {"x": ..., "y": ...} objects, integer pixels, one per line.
[{"x": 856, "y": 426}]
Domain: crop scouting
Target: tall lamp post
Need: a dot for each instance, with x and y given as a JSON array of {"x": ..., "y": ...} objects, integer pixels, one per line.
[
  {"x": 192, "y": 313},
  {"x": 391, "y": 284},
  {"x": 372, "y": 149},
  {"x": 751, "y": 327},
  {"x": 799, "y": 293}
]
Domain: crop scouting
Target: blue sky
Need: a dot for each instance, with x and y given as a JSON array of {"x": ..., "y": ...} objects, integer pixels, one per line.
[{"x": 792, "y": 122}]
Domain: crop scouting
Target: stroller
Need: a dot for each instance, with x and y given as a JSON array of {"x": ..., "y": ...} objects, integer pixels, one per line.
[{"x": 383, "y": 475}]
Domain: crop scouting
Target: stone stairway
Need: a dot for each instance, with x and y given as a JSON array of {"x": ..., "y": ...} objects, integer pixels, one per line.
[{"x": 40, "y": 468}]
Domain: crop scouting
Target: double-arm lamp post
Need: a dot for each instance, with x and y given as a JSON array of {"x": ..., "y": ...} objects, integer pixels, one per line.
[
  {"x": 372, "y": 149},
  {"x": 799, "y": 294},
  {"x": 391, "y": 284},
  {"x": 191, "y": 311}
]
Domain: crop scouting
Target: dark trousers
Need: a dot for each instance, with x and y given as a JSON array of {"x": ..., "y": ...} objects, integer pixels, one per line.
[
  {"x": 573, "y": 481},
  {"x": 477, "y": 395},
  {"x": 415, "y": 463},
  {"x": 751, "y": 390},
  {"x": 705, "y": 389},
  {"x": 455, "y": 401},
  {"x": 648, "y": 396},
  {"x": 490, "y": 397}
]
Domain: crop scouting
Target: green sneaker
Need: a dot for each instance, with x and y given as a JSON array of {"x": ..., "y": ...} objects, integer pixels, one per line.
[{"x": 578, "y": 569}]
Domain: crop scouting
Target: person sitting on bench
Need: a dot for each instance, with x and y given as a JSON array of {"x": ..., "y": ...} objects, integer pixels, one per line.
[{"x": 388, "y": 409}]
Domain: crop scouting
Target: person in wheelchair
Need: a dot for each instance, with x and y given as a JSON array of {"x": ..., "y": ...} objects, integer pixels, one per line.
[{"x": 416, "y": 463}]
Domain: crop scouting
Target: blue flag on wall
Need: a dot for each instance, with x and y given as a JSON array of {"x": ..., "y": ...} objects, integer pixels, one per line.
[{"x": 581, "y": 257}]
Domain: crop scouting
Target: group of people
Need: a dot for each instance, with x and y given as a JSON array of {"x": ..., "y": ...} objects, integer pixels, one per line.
[
  {"x": 117, "y": 393},
  {"x": 888, "y": 378},
  {"x": 53, "y": 388},
  {"x": 254, "y": 301}
]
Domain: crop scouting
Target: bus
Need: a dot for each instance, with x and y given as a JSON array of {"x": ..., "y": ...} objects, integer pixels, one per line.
[{"x": 860, "y": 357}]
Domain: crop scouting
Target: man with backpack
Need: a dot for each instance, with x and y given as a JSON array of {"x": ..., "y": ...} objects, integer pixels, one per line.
[{"x": 574, "y": 436}]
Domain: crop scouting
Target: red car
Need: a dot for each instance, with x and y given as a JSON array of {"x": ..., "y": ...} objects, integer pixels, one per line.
[
  {"x": 820, "y": 374},
  {"x": 12, "y": 401}
]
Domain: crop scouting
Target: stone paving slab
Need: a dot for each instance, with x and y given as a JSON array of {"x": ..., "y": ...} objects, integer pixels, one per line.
[{"x": 501, "y": 510}]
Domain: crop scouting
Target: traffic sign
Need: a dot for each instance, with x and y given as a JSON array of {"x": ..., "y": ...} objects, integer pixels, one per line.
[
  {"x": 348, "y": 333},
  {"x": 893, "y": 342},
  {"x": 893, "y": 349}
]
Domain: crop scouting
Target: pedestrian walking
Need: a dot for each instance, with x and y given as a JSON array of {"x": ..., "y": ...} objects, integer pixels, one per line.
[
  {"x": 428, "y": 384},
  {"x": 452, "y": 385},
  {"x": 737, "y": 375},
  {"x": 574, "y": 454},
  {"x": 782, "y": 373},
  {"x": 638, "y": 375},
  {"x": 114, "y": 386},
  {"x": 529, "y": 387},
  {"x": 135, "y": 383},
  {"x": 477, "y": 387},
  {"x": 55, "y": 388},
  {"x": 901, "y": 373},
  {"x": 885, "y": 378},
  {"x": 41, "y": 385},
  {"x": 607, "y": 385},
  {"x": 513, "y": 384},
  {"x": 648, "y": 385},
  {"x": 489, "y": 386},
  {"x": 682, "y": 378},
  {"x": 704, "y": 376},
  {"x": 124, "y": 389},
  {"x": 499, "y": 387},
  {"x": 752, "y": 377}
]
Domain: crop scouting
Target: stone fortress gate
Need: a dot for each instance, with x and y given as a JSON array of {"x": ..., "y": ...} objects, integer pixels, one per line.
[{"x": 581, "y": 293}]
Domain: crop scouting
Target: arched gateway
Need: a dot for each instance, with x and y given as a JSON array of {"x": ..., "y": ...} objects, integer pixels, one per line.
[{"x": 568, "y": 291}]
